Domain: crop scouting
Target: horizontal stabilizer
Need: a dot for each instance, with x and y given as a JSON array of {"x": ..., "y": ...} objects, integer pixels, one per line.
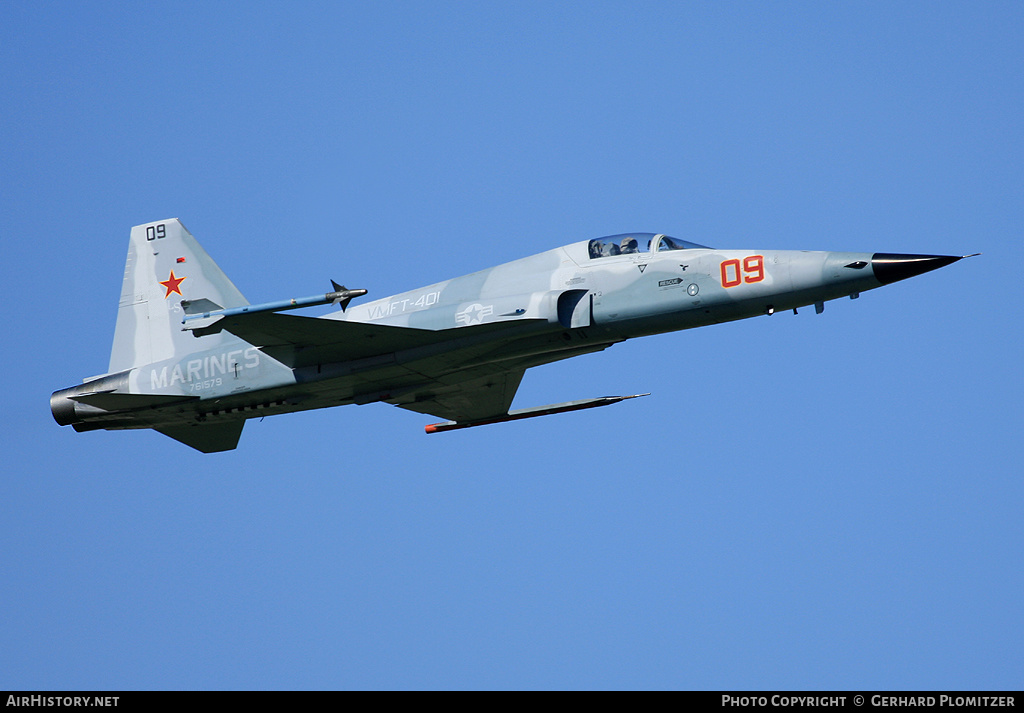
[
  {"x": 199, "y": 306},
  {"x": 207, "y": 437}
]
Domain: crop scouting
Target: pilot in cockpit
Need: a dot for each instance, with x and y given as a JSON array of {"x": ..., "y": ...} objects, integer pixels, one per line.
[{"x": 629, "y": 245}]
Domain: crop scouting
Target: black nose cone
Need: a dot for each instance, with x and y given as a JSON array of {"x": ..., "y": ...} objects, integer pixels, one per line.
[{"x": 892, "y": 267}]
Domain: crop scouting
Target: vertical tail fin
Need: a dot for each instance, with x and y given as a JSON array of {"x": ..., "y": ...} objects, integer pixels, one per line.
[{"x": 165, "y": 265}]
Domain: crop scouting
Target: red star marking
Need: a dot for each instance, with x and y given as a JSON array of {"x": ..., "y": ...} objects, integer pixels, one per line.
[{"x": 173, "y": 284}]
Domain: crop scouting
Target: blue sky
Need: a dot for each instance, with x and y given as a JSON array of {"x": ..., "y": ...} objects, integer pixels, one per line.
[{"x": 804, "y": 502}]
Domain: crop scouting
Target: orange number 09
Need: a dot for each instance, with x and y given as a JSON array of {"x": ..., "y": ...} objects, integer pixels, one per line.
[{"x": 751, "y": 271}]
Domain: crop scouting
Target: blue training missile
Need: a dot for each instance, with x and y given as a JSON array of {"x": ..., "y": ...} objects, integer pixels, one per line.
[{"x": 341, "y": 296}]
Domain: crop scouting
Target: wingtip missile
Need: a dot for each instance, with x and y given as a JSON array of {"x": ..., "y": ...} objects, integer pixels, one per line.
[
  {"x": 520, "y": 414},
  {"x": 205, "y": 309}
]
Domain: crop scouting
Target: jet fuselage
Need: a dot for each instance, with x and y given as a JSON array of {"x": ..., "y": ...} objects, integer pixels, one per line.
[{"x": 455, "y": 348}]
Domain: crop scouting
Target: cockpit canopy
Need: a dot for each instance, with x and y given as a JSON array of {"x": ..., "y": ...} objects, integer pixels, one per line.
[{"x": 628, "y": 243}]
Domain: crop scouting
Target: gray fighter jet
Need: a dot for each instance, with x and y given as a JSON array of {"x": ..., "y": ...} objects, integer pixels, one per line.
[{"x": 193, "y": 359}]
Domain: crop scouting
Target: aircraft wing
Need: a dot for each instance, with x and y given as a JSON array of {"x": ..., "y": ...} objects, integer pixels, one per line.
[
  {"x": 465, "y": 379},
  {"x": 307, "y": 341},
  {"x": 468, "y": 400},
  {"x": 478, "y": 392}
]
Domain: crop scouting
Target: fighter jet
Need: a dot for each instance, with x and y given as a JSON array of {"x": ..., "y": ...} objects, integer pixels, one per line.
[{"x": 193, "y": 359}]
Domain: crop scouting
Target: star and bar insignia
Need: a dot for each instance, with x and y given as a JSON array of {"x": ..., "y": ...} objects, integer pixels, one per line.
[{"x": 173, "y": 284}]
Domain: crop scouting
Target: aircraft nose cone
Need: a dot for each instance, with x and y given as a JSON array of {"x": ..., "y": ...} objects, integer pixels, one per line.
[{"x": 892, "y": 267}]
